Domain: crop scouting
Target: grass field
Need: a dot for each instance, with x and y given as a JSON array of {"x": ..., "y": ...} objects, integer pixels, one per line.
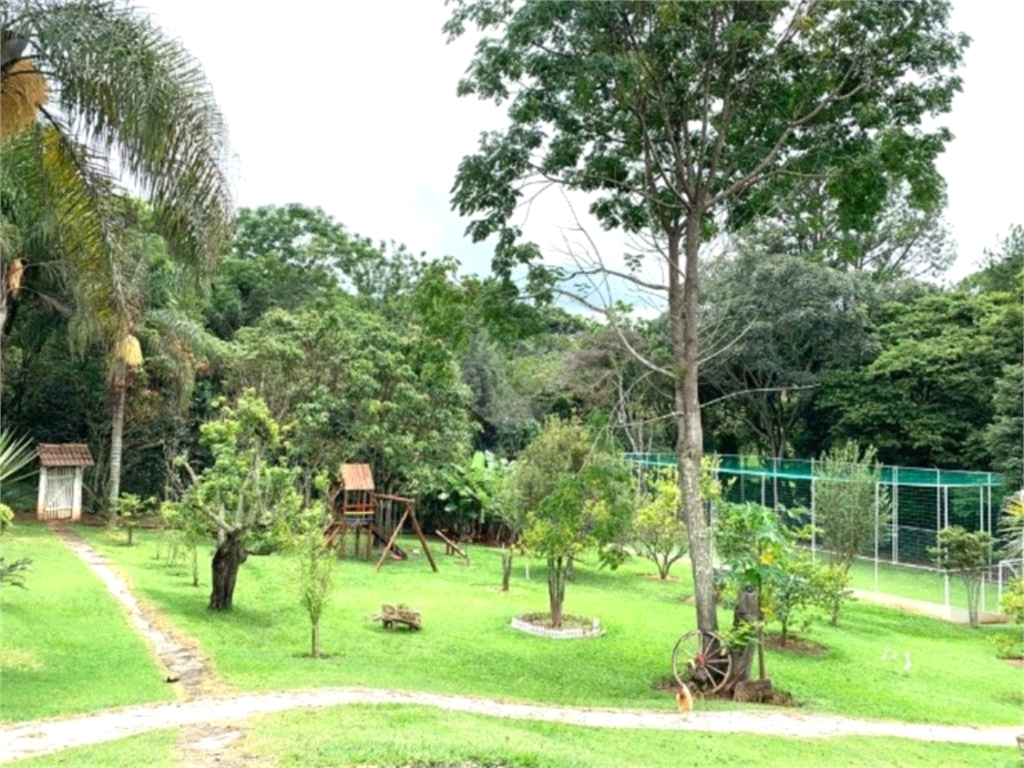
[
  {"x": 918, "y": 584},
  {"x": 394, "y": 735},
  {"x": 66, "y": 646},
  {"x": 467, "y": 647}
]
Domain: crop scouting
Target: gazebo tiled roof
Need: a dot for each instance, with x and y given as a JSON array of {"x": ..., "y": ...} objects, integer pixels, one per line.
[{"x": 64, "y": 455}]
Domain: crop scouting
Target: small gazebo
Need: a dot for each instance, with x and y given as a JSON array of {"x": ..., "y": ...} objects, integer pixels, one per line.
[{"x": 60, "y": 480}]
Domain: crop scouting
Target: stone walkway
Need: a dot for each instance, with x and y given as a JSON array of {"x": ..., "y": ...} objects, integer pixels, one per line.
[{"x": 210, "y": 724}]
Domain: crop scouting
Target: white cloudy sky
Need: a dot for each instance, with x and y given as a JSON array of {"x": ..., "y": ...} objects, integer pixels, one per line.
[{"x": 352, "y": 107}]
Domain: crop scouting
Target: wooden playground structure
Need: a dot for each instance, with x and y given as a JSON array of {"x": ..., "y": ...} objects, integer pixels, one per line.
[{"x": 358, "y": 508}]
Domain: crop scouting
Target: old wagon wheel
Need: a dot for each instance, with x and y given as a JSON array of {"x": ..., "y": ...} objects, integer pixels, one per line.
[{"x": 700, "y": 659}]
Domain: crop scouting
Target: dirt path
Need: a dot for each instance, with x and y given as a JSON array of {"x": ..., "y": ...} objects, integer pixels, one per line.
[
  {"x": 210, "y": 725},
  {"x": 40, "y": 737}
]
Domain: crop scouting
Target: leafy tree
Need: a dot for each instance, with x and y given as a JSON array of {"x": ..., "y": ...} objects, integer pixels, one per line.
[
  {"x": 127, "y": 512},
  {"x": 314, "y": 560},
  {"x": 926, "y": 398},
  {"x": 968, "y": 554},
  {"x": 906, "y": 237},
  {"x": 845, "y": 501},
  {"x": 357, "y": 388},
  {"x": 657, "y": 529},
  {"x": 1004, "y": 435},
  {"x": 246, "y": 489},
  {"x": 572, "y": 495},
  {"x": 789, "y": 322},
  {"x": 680, "y": 118}
]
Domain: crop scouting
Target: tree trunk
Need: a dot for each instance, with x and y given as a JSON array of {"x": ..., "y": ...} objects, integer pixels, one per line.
[
  {"x": 506, "y": 568},
  {"x": 747, "y": 611},
  {"x": 229, "y": 556},
  {"x": 116, "y": 433},
  {"x": 315, "y": 640},
  {"x": 683, "y": 310},
  {"x": 195, "y": 566},
  {"x": 556, "y": 589}
]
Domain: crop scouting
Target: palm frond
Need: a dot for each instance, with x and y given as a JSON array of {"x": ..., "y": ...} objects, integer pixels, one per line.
[
  {"x": 16, "y": 454},
  {"x": 59, "y": 197},
  {"x": 127, "y": 88}
]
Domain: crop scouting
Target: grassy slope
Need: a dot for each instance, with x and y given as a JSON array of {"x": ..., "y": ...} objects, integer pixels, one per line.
[
  {"x": 393, "y": 735},
  {"x": 918, "y": 584},
  {"x": 467, "y": 647},
  {"x": 66, "y": 646}
]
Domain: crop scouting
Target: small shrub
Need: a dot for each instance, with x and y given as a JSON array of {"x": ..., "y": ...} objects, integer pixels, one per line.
[
  {"x": 1009, "y": 645},
  {"x": 1012, "y": 601}
]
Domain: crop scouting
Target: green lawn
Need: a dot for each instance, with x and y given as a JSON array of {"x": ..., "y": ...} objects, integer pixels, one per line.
[
  {"x": 918, "y": 584},
  {"x": 153, "y": 750},
  {"x": 66, "y": 646},
  {"x": 401, "y": 736},
  {"x": 467, "y": 647}
]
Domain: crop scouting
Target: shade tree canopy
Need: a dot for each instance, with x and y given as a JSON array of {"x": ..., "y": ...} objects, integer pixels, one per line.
[{"x": 678, "y": 119}]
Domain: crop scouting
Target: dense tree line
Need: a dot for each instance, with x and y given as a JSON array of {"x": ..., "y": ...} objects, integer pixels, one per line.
[{"x": 370, "y": 353}]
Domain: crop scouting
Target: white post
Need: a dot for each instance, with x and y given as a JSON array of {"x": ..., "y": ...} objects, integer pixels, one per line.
[
  {"x": 877, "y": 496},
  {"x": 41, "y": 501},
  {"x": 895, "y": 515},
  {"x": 944, "y": 489},
  {"x": 814, "y": 519},
  {"x": 76, "y": 496},
  {"x": 762, "y": 490}
]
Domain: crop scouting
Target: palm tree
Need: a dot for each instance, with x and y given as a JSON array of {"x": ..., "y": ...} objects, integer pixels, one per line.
[{"x": 82, "y": 81}]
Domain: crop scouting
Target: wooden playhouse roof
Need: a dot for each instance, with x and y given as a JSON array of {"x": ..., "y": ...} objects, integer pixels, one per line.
[
  {"x": 356, "y": 477},
  {"x": 64, "y": 455}
]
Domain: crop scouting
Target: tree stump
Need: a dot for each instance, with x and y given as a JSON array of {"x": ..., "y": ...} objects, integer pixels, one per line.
[{"x": 758, "y": 691}]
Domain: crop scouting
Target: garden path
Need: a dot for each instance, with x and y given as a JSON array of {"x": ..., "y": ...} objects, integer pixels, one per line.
[
  {"x": 40, "y": 737},
  {"x": 214, "y": 722}
]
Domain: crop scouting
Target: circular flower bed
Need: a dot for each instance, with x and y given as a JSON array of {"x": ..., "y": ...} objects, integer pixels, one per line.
[{"x": 573, "y": 627}]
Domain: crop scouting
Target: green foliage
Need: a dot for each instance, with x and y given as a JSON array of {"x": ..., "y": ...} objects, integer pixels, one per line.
[
  {"x": 830, "y": 583},
  {"x": 594, "y": 90},
  {"x": 314, "y": 565},
  {"x": 925, "y": 400},
  {"x": 966, "y": 553},
  {"x": 764, "y": 549},
  {"x": 782, "y": 324},
  {"x": 471, "y": 489},
  {"x": 254, "y": 648},
  {"x": 16, "y": 453},
  {"x": 572, "y": 494},
  {"x": 247, "y": 494},
  {"x": 128, "y": 510},
  {"x": 845, "y": 502},
  {"x": 790, "y": 592},
  {"x": 356, "y": 387},
  {"x": 1012, "y": 602},
  {"x": 657, "y": 529},
  {"x": 6, "y": 517},
  {"x": 1011, "y": 527},
  {"x": 1004, "y": 436}
]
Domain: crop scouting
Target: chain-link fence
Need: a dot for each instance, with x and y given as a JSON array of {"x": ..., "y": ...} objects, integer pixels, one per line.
[{"x": 911, "y": 506}]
